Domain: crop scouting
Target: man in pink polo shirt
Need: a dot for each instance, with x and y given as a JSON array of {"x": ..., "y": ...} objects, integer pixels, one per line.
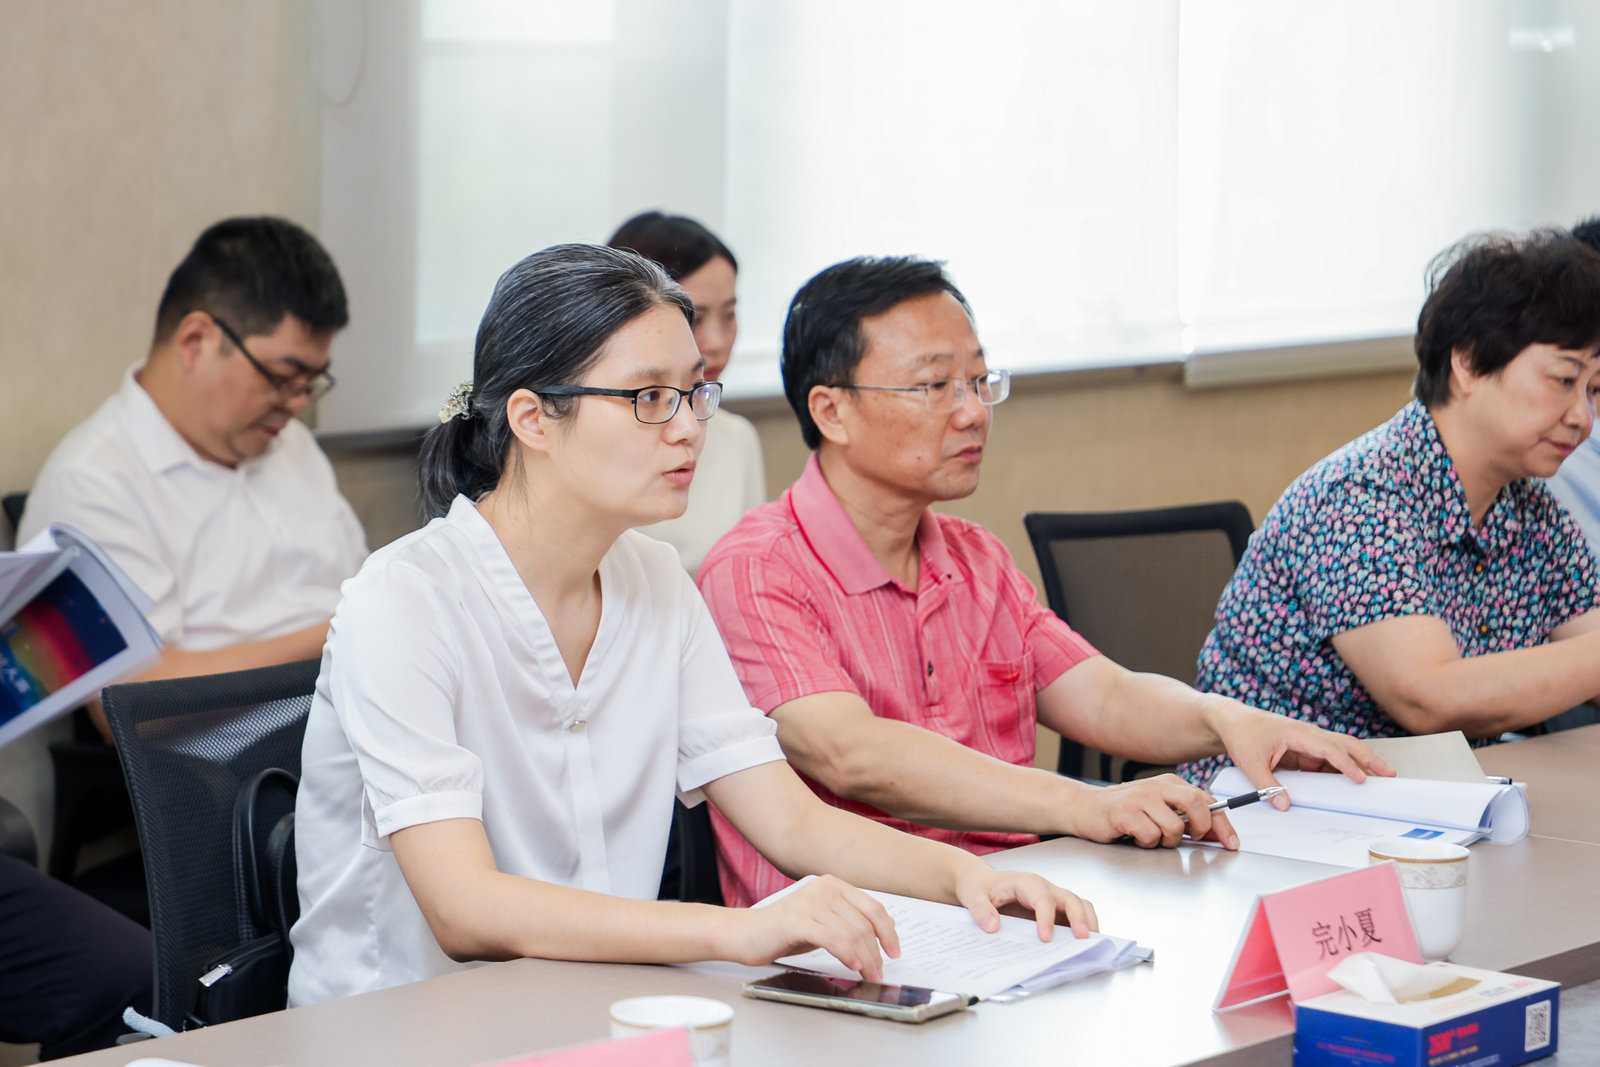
[{"x": 903, "y": 656}]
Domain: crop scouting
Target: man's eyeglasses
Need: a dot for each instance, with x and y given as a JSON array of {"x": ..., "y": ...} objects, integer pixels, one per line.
[
  {"x": 654, "y": 404},
  {"x": 948, "y": 394},
  {"x": 314, "y": 388}
]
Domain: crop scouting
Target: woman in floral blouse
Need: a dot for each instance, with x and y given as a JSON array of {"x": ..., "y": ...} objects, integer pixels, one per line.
[{"x": 1422, "y": 578}]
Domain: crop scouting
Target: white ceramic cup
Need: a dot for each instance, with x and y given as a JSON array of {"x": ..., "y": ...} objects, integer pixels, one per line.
[
  {"x": 1433, "y": 876},
  {"x": 709, "y": 1022}
]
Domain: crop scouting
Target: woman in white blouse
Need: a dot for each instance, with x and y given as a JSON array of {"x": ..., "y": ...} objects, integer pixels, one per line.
[
  {"x": 511, "y": 696},
  {"x": 731, "y": 476}
]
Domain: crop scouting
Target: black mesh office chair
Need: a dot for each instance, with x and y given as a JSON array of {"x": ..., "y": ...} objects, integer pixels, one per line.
[
  {"x": 12, "y": 504},
  {"x": 691, "y": 868},
  {"x": 16, "y": 834},
  {"x": 1142, "y": 587},
  {"x": 211, "y": 764}
]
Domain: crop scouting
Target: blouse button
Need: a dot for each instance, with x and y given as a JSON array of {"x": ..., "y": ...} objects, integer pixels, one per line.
[
  {"x": 1478, "y": 569},
  {"x": 578, "y": 724},
  {"x": 1483, "y": 628}
]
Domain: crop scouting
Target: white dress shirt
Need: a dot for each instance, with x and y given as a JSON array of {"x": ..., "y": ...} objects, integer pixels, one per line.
[
  {"x": 730, "y": 478},
  {"x": 226, "y": 555},
  {"x": 443, "y": 696}
]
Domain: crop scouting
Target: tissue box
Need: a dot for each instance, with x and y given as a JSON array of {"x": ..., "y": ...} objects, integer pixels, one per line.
[{"x": 1499, "y": 1019}]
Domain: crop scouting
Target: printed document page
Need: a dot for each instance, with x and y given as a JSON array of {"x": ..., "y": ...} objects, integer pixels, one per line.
[
  {"x": 1332, "y": 818},
  {"x": 941, "y": 947}
]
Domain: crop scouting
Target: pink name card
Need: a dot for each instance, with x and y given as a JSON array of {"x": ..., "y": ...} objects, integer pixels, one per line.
[
  {"x": 659, "y": 1048},
  {"x": 1295, "y": 936}
]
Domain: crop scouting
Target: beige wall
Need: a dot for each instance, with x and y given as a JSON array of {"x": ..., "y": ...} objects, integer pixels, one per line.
[
  {"x": 1142, "y": 441},
  {"x": 127, "y": 126}
]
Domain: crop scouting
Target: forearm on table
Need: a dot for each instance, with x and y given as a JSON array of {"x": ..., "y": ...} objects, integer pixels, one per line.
[
  {"x": 1146, "y": 717},
  {"x": 507, "y": 917},
  {"x": 915, "y": 774},
  {"x": 1487, "y": 695},
  {"x": 477, "y": 912},
  {"x": 800, "y": 835},
  {"x": 179, "y": 663},
  {"x": 285, "y": 648}
]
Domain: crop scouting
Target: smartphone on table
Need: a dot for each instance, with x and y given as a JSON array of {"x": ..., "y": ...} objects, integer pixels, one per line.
[{"x": 902, "y": 1003}]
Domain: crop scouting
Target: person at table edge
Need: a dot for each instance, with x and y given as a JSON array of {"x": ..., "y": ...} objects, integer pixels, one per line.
[
  {"x": 901, "y": 653},
  {"x": 195, "y": 476},
  {"x": 1423, "y": 578}
]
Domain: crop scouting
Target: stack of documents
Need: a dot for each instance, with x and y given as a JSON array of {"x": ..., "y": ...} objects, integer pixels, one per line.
[
  {"x": 942, "y": 947},
  {"x": 1333, "y": 819},
  {"x": 70, "y": 623}
]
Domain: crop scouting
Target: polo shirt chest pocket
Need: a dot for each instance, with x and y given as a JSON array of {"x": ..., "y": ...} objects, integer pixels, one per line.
[{"x": 1002, "y": 708}]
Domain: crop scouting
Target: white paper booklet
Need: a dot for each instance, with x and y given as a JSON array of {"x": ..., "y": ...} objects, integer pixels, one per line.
[
  {"x": 1332, "y": 819},
  {"x": 71, "y": 623},
  {"x": 941, "y": 947}
]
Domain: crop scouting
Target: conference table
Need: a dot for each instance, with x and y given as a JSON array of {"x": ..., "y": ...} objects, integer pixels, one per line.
[{"x": 1531, "y": 909}]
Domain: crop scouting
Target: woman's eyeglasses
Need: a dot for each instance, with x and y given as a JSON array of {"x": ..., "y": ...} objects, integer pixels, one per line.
[{"x": 654, "y": 404}]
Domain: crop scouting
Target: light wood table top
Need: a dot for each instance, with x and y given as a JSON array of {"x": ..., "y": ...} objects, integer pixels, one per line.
[
  {"x": 1563, "y": 775},
  {"x": 1529, "y": 910}
]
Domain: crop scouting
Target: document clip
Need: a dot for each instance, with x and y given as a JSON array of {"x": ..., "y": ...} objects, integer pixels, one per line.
[{"x": 1295, "y": 936}]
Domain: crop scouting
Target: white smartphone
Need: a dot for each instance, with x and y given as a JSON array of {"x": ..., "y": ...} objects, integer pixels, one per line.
[{"x": 902, "y": 1003}]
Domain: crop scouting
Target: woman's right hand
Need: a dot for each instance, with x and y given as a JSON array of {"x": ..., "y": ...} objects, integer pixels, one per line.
[{"x": 824, "y": 913}]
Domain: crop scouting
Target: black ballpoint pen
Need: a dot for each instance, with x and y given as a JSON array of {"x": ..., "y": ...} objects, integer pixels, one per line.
[{"x": 1242, "y": 799}]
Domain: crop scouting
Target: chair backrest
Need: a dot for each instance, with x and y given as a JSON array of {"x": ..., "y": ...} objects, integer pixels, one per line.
[
  {"x": 16, "y": 834},
  {"x": 13, "y": 504},
  {"x": 193, "y": 751},
  {"x": 697, "y": 854},
  {"x": 1141, "y": 586}
]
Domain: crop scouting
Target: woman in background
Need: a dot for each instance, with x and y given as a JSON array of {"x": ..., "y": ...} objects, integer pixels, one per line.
[
  {"x": 731, "y": 478},
  {"x": 511, "y": 696},
  {"x": 1423, "y": 578}
]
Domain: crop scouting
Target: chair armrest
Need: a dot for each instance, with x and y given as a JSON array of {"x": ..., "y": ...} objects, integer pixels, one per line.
[{"x": 16, "y": 834}]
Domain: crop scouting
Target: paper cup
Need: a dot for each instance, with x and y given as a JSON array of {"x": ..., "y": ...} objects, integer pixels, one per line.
[
  {"x": 1433, "y": 876},
  {"x": 709, "y": 1022}
]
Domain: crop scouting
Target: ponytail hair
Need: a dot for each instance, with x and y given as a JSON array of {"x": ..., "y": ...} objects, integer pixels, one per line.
[{"x": 545, "y": 325}]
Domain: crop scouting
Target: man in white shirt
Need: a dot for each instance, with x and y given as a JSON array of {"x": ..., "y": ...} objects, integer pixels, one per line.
[{"x": 195, "y": 476}]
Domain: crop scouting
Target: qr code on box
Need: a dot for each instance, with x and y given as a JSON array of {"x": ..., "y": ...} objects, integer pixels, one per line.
[{"x": 1536, "y": 1026}]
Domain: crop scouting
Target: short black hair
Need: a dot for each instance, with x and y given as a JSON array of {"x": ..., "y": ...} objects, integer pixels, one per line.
[
  {"x": 1492, "y": 295},
  {"x": 677, "y": 242},
  {"x": 1588, "y": 231},
  {"x": 822, "y": 339},
  {"x": 251, "y": 272}
]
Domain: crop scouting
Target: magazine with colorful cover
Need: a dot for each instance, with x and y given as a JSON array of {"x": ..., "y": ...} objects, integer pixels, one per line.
[{"x": 71, "y": 623}]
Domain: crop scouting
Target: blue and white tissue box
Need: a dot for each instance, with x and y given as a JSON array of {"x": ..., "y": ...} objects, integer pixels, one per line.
[{"x": 1445, "y": 1015}]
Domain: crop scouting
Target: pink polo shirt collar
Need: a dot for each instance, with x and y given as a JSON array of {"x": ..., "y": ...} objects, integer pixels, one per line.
[{"x": 833, "y": 536}]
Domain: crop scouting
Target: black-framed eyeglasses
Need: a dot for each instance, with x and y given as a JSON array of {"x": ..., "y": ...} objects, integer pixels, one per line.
[
  {"x": 314, "y": 388},
  {"x": 654, "y": 404},
  {"x": 948, "y": 394}
]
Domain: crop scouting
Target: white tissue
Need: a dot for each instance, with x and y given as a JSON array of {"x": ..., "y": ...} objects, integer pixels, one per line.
[{"x": 1386, "y": 980}]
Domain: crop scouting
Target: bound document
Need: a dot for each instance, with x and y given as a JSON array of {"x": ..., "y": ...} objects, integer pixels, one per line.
[
  {"x": 942, "y": 947},
  {"x": 70, "y": 623},
  {"x": 1332, "y": 819}
]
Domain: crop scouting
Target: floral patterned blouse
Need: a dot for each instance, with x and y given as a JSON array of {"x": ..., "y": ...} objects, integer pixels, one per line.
[{"x": 1381, "y": 529}]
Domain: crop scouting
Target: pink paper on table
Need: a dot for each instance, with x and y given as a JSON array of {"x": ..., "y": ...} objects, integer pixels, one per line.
[
  {"x": 659, "y": 1048},
  {"x": 1295, "y": 936}
]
